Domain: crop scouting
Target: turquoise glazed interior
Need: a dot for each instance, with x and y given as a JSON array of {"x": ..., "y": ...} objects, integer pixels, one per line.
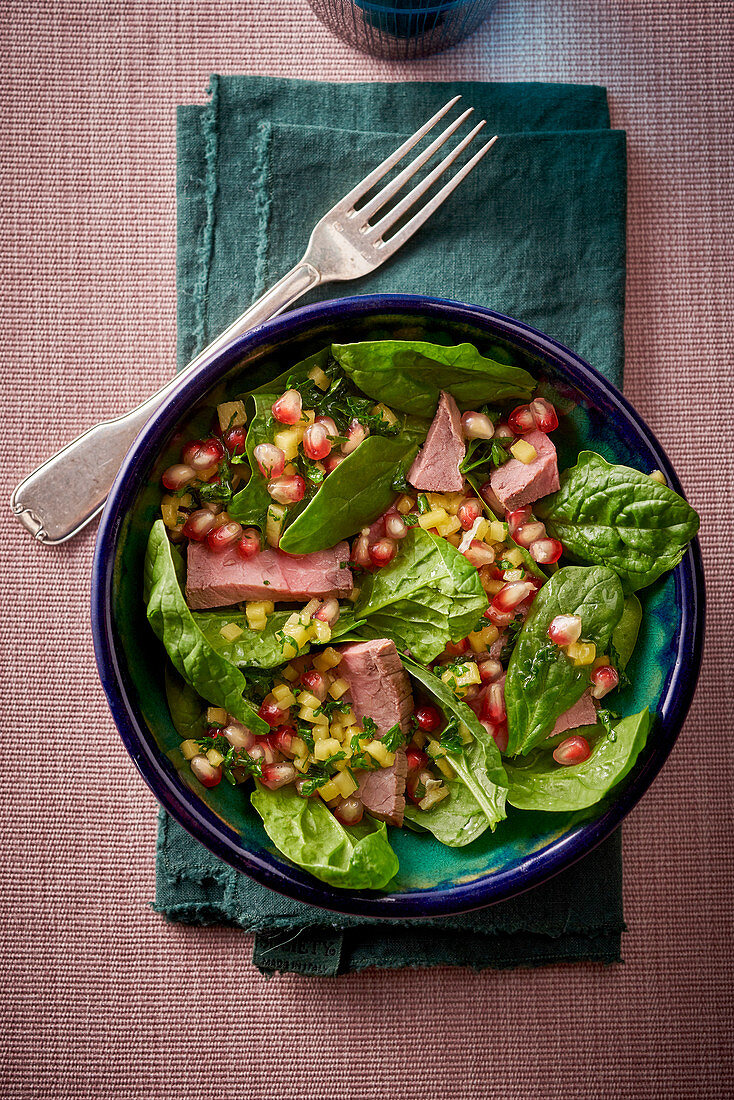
[{"x": 433, "y": 879}]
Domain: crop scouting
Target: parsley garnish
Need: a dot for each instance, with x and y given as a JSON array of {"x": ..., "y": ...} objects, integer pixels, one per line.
[
  {"x": 305, "y": 732},
  {"x": 394, "y": 738},
  {"x": 399, "y": 483},
  {"x": 330, "y": 705},
  {"x": 233, "y": 758},
  {"x": 411, "y": 520},
  {"x": 451, "y": 739},
  {"x": 311, "y": 785},
  {"x": 423, "y": 505}
]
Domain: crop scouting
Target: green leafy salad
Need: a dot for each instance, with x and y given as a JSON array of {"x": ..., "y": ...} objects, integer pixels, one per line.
[{"x": 382, "y": 603}]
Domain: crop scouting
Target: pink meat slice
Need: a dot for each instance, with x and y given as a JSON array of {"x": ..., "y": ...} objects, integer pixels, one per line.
[
  {"x": 219, "y": 580},
  {"x": 436, "y": 466},
  {"x": 383, "y": 791},
  {"x": 515, "y": 483},
  {"x": 582, "y": 713},
  {"x": 378, "y": 684}
]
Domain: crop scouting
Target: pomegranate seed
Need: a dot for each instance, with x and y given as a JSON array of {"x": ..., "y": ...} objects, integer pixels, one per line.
[
  {"x": 574, "y": 750},
  {"x": 521, "y": 420},
  {"x": 328, "y": 425},
  {"x": 544, "y": 415},
  {"x": 316, "y": 442},
  {"x": 355, "y": 434},
  {"x": 249, "y": 544},
  {"x": 565, "y": 629},
  {"x": 493, "y": 707},
  {"x": 198, "y": 525},
  {"x": 497, "y": 730},
  {"x": 476, "y": 425},
  {"x": 428, "y": 718},
  {"x": 503, "y": 431},
  {"x": 528, "y": 533},
  {"x": 300, "y": 784},
  {"x": 605, "y": 679},
  {"x": 509, "y": 597},
  {"x": 202, "y": 454},
  {"x": 288, "y": 408},
  {"x": 239, "y": 736},
  {"x": 275, "y": 776},
  {"x": 282, "y": 740},
  {"x": 205, "y": 772},
  {"x": 546, "y": 551},
  {"x": 332, "y": 462},
  {"x": 478, "y": 554},
  {"x": 395, "y": 527},
  {"x": 361, "y": 552},
  {"x": 271, "y": 713},
  {"x": 416, "y": 758},
  {"x": 329, "y": 611},
  {"x": 455, "y": 649},
  {"x": 262, "y": 750},
  {"x": 287, "y": 490},
  {"x": 469, "y": 512},
  {"x": 224, "y": 537},
  {"x": 382, "y": 552},
  {"x": 234, "y": 440},
  {"x": 517, "y": 518},
  {"x": 270, "y": 459},
  {"x": 313, "y": 680},
  {"x": 178, "y": 475},
  {"x": 348, "y": 811},
  {"x": 499, "y": 618},
  {"x": 415, "y": 786},
  {"x": 490, "y": 670}
]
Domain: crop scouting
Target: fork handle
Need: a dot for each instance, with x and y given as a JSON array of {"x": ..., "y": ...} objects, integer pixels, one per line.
[{"x": 68, "y": 490}]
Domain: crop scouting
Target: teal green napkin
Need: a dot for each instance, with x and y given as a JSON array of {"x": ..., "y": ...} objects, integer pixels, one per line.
[{"x": 539, "y": 233}]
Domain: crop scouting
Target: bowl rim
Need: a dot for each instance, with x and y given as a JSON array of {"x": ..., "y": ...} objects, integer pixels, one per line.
[{"x": 537, "y": 866}]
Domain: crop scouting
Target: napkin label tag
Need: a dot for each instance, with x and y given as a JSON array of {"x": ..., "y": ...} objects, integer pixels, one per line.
[{"x": 314, "y": 952}]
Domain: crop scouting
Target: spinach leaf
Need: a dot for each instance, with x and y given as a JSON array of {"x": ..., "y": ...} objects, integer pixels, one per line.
[
  {"x": 538, "y": 783},
  {"x": 186, "y": 708},
  {"x": 542, "y": 682},
  {"x": 478, "y": 768},
  {"x": 531, "y": 566},
  {"x": 355, "y": 493},
  {"x": 258, "y": 649},
  {"x": 624, "y": 636},
  {"x": 305, "y": 830},
  {"x": 250, "y": 505},
  {"x": 210, "y": 674},
  {"x": 428, "y": 595},
  {"x": 409, "y": 375},
  {"x": 619, "y": 517}
]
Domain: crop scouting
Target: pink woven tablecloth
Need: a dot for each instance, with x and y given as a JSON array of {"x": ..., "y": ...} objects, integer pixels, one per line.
[{"x": 102, "y": 998}]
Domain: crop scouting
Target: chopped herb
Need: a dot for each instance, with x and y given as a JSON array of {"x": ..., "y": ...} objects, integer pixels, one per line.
[
  {"x": 312, "y": 785},
  {"x": 400, "y": 483},
  {"x": 369, "y": 726},
  {"x": 233, "y": 758},
  {"x": 330, "y": 705},
  {"x": 361, "y": 760},
  {"x": 266, "y": 583},
  {"x": 411, "y": 520},
  {"x": 423, "y": 505},
  {"x": 451, "y": 739},
  {"x": 394, "y": 738},
  {"x": 334, "y": 759},
  {"x": 306, "y": 734}
]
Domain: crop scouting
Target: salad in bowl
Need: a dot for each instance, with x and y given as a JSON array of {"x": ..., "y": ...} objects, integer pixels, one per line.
[{"x": 394, "y": 593}]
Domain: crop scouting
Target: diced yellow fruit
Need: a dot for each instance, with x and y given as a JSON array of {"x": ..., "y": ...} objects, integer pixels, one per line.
[
  {"x": 419, "y": 738},
  {"x": 301, "y": 763},
  {"x": 404, "y": 504},
  {"x": 320, "y": 631},
  {"x": 465, "y": 675},
  {"x": 492, "y": 587},
  {"x": 349, "y": 718},
  {"x": 378, "y": 752},
  {"x": 283, "y": 696},
  {"x": 216, "y": 716},
  {"x": 258, "y": 624},
  {"x": 448, "y": 501},
  {"x": 329, "y": 791},
  {"x": 306, "y": 699},
  {"x": 290, "y": 673},
  {"x": 482, "y": 531},
  {"x": 451, "y": 525},
  {"x": 231, "y": 414},
  {"x": 512, "y": 575},
  {"x": 169, "y": 510},
  {"x": 287, "y": 439},
  {"x": 308, "y": 714},
  {"x": 581, "y": 653},
  {"x": 455, "y": 540},
  {"x": 308, "y": 609},
  {"x": 326, "y": 747},
  {"x": 476, "y": 641},
  {"x": 386, "y": 415},
  {"x": 602, "y": 661},
  {"x": 490, "y": 634},
  {"x": 320, "y": 732},
  {"x": 434, "y": 748},
  {"x": 445, "y": 767},
  {"x": 434, "y": 796},
  {"x": 345, "y": 784},
  {"x": 336, "y": 732},
  {"x": 354, "y": 594},
  {"x": 659, "y": 476},
  {"x": 190, "y": 749},
  {"x": 432, "y": 518},
  {"x": 524, "y": 452},
  {"x": 299, "y": 634},
  {"x": 290, "y": 650},
  {"x": 329, "y": 658},
  {"x": 289, "y": 470},
  {"x": 322, "y": 380},
  {"x": 230, "y": 631},
  {"x": 307, "y": 418},
  {"x": 338, "y": 688},
  {"x": 274, "y": 523},
  {"x": 514, "y": 556},
  {"x": 215, "y": 758},
  {"x": 497, "y": 531},
  {"x": 353, "y": 730}
]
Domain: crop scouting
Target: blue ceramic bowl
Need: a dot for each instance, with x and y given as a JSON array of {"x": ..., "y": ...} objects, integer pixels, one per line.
[{"x": 433, "y": 880}]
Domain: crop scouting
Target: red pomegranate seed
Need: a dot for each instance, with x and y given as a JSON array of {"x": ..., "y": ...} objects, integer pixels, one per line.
[
  {"x": 249, "y": 544},
  {"x": 415, "y": 786},
  {"x": 262, "y": 750},
  {"x": 428, "y": 718},
  {"x": 239, "y": 736},
  {"x": 329, "y": 611},
  {"x": 518, "y": 517},
  {"x": 279, "y": 775},
  {"x": 288, "y": 408},
  {"x": 178, "y": 475},
  {"x": 206, "y": 773},
  {"x": 475, "y": 425},
  {"x": 546, "y": 551},
  {"x": 521, "y": 420},
  {"x": 300, "y": 785},
  {"x": 270, "y": 459},
  {"x": 498, "y": 731},
  {"x": 604, "y": 679},
  {"x": 272, "y": 714},
  {"x": 565, "y": 629},
  {"x": 332, "y": 462},
  {"x": 360, "y": 554},
  {"x": 329, "y": 425},
  {"x": 493, "y": 707},
  {"x": 469, "y": 512},
  {"x": 499, "y": 618},
  {"x": 490, "y": 670},
  {"x": 503, "y": 431},
  {"x": 224, "y": 537},
  {"x": 511, "y": 596},
  {"x": 355, "y": 434},
  {"x": 198, "y": 525},
  {"x": 478, "y": 554},
  {"x": 287, "y": 490},
  {"x": 202, "y": 454},
  {"x": 348, "y": 811},
  {"x": 528, "y": 533},
  {"x": 282, "y": 740},
  {"x": 316, "y": 442},
  {"x": 416, "y": 758},
  {"x": 455, "y": 649},
  {"x": 395, "y": 527},
  {"x": 314, "y": 682},
  {"x": 234, "y": 440},
  {"x": 544, "y": 415},
  {"x": 382, "y": 552},
  {"x": 574, "y": 750}
]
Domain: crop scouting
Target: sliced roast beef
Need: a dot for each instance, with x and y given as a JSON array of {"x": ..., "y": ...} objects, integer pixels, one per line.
[
  {"x": 378, "y": 684},
  {"x": 515, "y": 483},
  {"x": 436, "y": 466},
  {"x": 582, "y": 713},
  {"x": 218, "y": 580},
  {"x": 383, "y": 791}
]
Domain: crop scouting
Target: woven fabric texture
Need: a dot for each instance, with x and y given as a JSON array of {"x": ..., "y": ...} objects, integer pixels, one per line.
[{"x": 102, "y": 999}]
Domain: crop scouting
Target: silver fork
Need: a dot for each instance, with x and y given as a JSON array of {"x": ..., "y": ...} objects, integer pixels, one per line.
[{"x": 61, "y": 496}]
